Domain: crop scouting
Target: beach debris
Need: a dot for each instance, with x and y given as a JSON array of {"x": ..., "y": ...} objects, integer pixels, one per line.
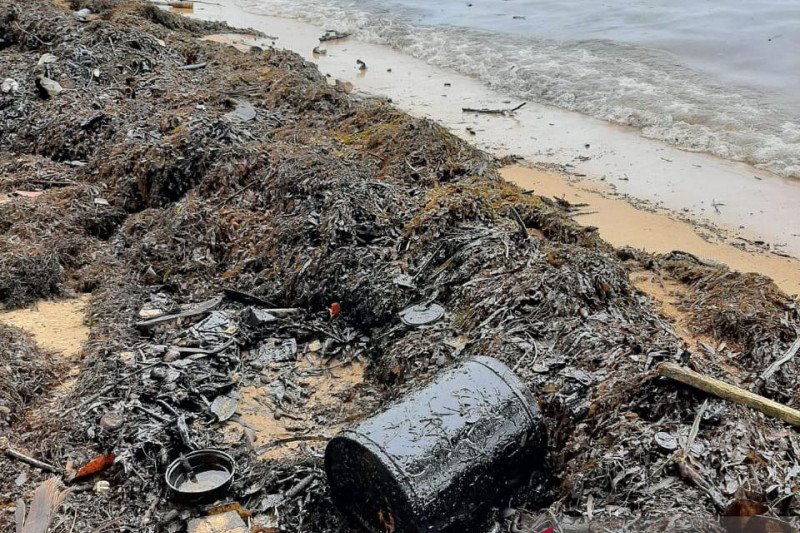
[
  {"x": 82, "y": 14},
  {"x": 729, "y": 392},
  {"x": 224, "y": 406},
  {"x": 361, "y": 65},
  {"x": 19, "y": 456},
  {"x": 422, "y": 314},
  {"x": 47, "y": 59},
  {"x": 193, "y": 66},
  {"x": 9, "y": 85},
  {"x": 487, "y": 111},
  {"x": 323, "y": 198},
  {"x": 112, "y": 420},
  {"x": 102, "y": 486},
  {"x": 474, "y": 397},
  {"x": 95, "y": 466},
  {"x": 333, "y": 35},
  {"x": 319, "y": 51},
  {"x": 202, "y": 475},
  {"x": 275, "y": 351},
  {"x": 199, "y": 309},
  {"x": 256, "y": 317},
  {"x": 47, "y": 88},
  {"x": 343, "y": 86},
  {"x": 244, "y": 112},
  {"x": 28, "y": 194},
  {"x": 765, "y": 376},
  {"x": 47, "y": 498},
  {"x": 666, "y": 442}
]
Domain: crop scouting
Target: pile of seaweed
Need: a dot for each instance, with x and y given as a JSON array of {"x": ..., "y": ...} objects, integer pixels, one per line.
[{"x": 157, "y": 170}]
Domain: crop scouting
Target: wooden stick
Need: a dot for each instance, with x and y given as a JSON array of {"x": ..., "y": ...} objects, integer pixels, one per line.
[
  {"x": 11, "y": 452},
  {"x": 774, "y": 367},
  {"x": 730, "y": 392},
  {"x": 201, "y": 308}
]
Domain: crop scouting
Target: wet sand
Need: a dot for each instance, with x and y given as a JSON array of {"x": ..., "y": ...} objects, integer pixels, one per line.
[
  {"x": 738, "y": 200},
  {"x": 622, "y": 224}
]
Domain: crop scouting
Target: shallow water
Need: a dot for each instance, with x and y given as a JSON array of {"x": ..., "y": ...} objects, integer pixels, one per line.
[{"x": 718, "y": 77}]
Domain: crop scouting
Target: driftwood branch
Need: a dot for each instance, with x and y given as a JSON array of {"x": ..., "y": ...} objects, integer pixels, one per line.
[
  {"x": 486, "y": 111},
  {"x": 774, "y": 367},
  {"x": 730, "y": 392}
]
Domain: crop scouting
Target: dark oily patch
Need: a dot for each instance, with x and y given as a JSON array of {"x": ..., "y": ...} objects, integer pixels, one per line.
[
  {"x": 421, "y": 314},
  {"x": 276, "y": 350},
  {"x": 244, "y": 112},
  {"x": 215, "y": 324},
  {"x": 224, "y": 406}
]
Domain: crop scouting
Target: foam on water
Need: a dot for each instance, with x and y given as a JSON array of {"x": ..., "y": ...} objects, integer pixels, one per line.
[{"x": 628, "y": 84}]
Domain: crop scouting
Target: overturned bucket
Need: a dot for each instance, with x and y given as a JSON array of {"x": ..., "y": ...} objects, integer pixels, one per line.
[{"x": 438, "y": 454}]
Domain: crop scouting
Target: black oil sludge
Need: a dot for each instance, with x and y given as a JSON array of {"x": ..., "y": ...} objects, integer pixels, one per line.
[{"x": 438, "y": 454}]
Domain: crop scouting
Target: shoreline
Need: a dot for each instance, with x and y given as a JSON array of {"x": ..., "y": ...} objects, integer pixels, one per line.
[
  {"x": 669, "y": 183},
  {"x": 265, "y": 258},
  {"x": 622, "y": 224}
]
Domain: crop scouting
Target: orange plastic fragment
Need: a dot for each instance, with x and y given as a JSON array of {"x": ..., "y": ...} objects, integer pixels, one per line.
[
  {"x": 335, "y": 309},
  {"x": 98, "y": 464}
]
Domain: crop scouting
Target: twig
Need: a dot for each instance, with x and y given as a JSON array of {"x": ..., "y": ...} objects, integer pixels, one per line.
[
  {"x": 486, "y": 111},
  {"x": 730, "y": 392},
  {"x": 523, "y": 229},
  {"x": 774, "y": 367},
  {"x": 301, "y": 486},
  {"x": 31, "y": 461},
  {"x": 196, "y": 66},
  {"x": 186, "y": 350}
]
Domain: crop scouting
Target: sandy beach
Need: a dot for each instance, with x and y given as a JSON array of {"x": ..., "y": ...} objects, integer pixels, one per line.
[
  {"x": 740, "y": 214},
  {"x": 216, "y": 263}
]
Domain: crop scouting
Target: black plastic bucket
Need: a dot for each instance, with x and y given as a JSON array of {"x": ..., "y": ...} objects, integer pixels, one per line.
[{"x": 438, "y": 454}]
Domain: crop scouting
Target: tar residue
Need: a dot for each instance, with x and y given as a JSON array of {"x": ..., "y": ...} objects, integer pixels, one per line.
[{"x": 439, "y": 453}]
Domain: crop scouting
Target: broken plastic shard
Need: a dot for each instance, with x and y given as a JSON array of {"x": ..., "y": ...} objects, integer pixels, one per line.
[
  {"x": 9, "y": 85},
  {"x": 666, "y": 441},
  {"x": 276, "y": 350},
  {"x": 224, "y": 406},
  {"x": 581, "y": 376},
  {"x": 83, "y": 14},
  {"x": 404, "y": 280},
  {"x": 216, "y": 323},
  {"x": 48, "y": 87},
  {"x": 254, "y": 317},
  {"x": 47, "y": 59},
  {"x": 244, "y": 111},
  {"x": 421, "y": 314}
]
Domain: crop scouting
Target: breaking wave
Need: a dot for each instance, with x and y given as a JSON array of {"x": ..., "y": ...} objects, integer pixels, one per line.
[{"x": 622, "y": 83}]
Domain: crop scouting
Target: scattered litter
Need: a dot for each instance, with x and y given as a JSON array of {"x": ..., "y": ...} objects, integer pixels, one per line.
[
  {"x": 224, "y": 406},
  {"x": 244, "y": 112},
  {"x": 422, "y": 314},
  {"x": 9, "y": 85},
  {"x": 46, "y": 59},
  {"x": 47, "y": 88}
]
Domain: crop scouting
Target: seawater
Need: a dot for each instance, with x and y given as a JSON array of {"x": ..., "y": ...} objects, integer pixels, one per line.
[{"x": 718, "y": 76}]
